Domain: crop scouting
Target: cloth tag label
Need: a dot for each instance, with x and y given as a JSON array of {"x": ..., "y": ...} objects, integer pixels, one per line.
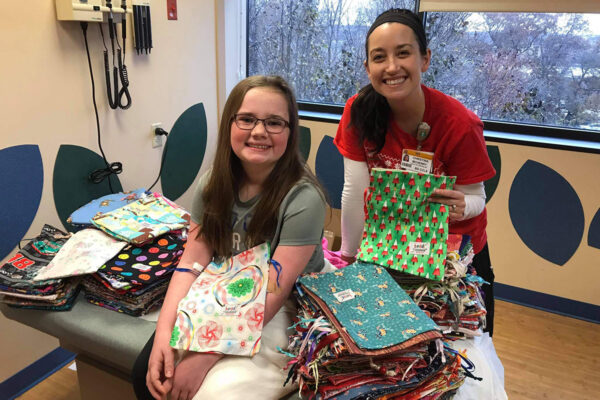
[
  {"x": 344, "y": 295},
  {"x": 230, "y": 309},
  {"x": 418, "y": 248}
]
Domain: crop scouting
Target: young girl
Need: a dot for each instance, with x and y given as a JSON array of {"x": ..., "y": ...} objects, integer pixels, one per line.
[
  {"x": 387, "y": 118},
  {"x": 258, "y": 185}
]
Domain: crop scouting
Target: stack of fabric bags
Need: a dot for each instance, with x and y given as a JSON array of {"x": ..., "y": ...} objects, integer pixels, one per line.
[
  {"x": 409, "y": 235},
  {"x": 134, "y": 280},
  {"x": 124, "y": 251},
  {"x": 455, "y": 303},
  {"x": 360, "y": 336},
  {"x": 17, "y": 285},
  {"x": 82, "y": 217}
]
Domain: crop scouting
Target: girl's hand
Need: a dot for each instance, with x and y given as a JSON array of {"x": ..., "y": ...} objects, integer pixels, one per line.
[
  {"x": 453, "y": 199},
  {"x": 161, "y": 365},
  {"x": 190, "y": 374}
]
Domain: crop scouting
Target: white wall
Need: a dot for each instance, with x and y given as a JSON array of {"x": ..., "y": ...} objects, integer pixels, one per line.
[{"x": 45, "y": 99}]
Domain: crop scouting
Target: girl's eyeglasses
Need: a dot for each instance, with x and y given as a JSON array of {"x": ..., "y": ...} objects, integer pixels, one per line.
[{"x": 272, "y": 125}]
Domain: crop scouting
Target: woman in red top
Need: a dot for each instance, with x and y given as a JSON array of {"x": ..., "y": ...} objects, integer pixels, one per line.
[{"x": 381, "y": 122}]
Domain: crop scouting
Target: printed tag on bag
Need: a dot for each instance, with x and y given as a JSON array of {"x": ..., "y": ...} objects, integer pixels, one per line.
[
  {"x": 418, "y": 248},
  {"x": 230, "y": 309},
  {"x": 344, "y": 295}
]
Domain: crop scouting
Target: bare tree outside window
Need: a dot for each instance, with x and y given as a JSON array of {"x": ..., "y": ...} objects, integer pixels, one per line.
[
  {"x": 523, "y": 68},
  {"x": 513, "y": 67},
  {"x": 316, "y": 45}
]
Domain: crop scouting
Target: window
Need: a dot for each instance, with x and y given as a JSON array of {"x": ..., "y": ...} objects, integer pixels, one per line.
[
  {"x": 316, "y": 45},
  {"x": 517, "y": 68},
  {"x": 523, "y": 68}
]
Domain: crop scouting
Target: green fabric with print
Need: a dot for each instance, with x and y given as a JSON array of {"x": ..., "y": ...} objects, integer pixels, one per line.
[{"x": 403, "y": 231}]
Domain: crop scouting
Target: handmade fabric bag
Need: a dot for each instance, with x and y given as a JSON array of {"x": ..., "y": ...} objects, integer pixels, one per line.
[
  {"x": 371, "y": 312},
  {"x": 84, "y": 253},
  {"x": 144, "y": 219},
  {"x": 135, "y": 267},
  {"x": 403, "y": 231},
  {"x": 224, "y": 309},
  {"x": 21, "y": 268},
  {"x": 82, "y": 217}
]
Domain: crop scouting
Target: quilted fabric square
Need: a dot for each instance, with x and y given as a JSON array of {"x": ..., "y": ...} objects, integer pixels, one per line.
[
  {"x": 403, "y": 231},
  {"x": 224, "y": 308},
  {"x": 372, "y": 309}
]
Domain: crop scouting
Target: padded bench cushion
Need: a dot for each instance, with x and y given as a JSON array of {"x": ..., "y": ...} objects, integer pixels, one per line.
[
  {"x": 110, "y": 337},
  {"x": 116, "y": 339}
]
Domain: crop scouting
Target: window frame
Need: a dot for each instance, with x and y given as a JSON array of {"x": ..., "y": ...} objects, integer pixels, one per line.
[{"x": 502, "y": 131}]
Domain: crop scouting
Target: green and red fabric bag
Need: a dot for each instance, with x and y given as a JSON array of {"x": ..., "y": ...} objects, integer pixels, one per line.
[{"x": 403, "y": 231}]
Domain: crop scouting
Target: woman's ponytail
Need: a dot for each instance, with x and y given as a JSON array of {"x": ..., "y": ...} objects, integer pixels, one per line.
[{"x": 369, "y": 115}]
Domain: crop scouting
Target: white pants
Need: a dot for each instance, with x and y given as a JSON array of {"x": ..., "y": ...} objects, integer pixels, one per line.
[
  {"x": 257, "y": 377},
  {"x": 480, "y": 350}
]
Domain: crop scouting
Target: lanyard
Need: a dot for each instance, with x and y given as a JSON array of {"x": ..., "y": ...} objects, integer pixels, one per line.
[{"x": 423, "y": 130}]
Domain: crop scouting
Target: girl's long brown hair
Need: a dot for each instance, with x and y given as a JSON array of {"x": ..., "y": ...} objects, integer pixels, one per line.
[{"x": 227, "y": 175}]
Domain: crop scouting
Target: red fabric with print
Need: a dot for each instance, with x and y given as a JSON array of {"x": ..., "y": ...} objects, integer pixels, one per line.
[{"x": 456, "y": 139}]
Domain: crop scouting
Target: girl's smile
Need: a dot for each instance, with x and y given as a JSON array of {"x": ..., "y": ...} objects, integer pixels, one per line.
[{"x": 256, "y": 148}]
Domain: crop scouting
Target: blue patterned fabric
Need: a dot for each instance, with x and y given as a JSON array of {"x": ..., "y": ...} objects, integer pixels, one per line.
[
  {"x": 369, "y": 304},
  {"x": 83, "y": 215}
]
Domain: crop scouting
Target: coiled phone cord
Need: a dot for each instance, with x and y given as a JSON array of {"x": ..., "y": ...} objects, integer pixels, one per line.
[{"x": 115, "y": 96}]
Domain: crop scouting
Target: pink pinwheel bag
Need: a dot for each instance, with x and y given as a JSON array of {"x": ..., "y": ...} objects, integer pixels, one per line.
[{"x": 224, "y": 309}]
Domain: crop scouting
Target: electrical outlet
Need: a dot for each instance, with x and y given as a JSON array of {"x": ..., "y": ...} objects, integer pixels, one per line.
[{"x": 157, "y": 140}]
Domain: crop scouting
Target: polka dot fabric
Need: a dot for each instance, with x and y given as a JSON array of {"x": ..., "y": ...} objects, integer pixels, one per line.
[{"x": 135, "y": 266}]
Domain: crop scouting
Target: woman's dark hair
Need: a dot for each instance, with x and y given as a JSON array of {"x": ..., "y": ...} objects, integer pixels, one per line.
[
  {"x": 370, "y": 111},
  {"x": 227, "y": 174}
]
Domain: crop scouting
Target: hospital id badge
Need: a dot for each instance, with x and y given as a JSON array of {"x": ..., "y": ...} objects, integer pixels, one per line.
[{"x": 417, "y": 161}]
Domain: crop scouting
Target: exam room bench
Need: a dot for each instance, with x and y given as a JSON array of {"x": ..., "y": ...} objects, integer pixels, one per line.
[{"x": 106, "y": 343}]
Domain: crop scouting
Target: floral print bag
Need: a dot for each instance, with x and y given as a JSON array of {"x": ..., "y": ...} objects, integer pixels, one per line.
[{"x": 224, "y": 309}]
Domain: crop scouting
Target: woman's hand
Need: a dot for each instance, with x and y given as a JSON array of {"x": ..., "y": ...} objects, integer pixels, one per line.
[
  {"x": 190, "y": 374},
  {"x": 161, "y": 365},
  {"x": 453, "y": 199}
]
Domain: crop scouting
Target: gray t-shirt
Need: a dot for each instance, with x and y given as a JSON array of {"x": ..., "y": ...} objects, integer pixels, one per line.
[{"x": 300, "y": 221}]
